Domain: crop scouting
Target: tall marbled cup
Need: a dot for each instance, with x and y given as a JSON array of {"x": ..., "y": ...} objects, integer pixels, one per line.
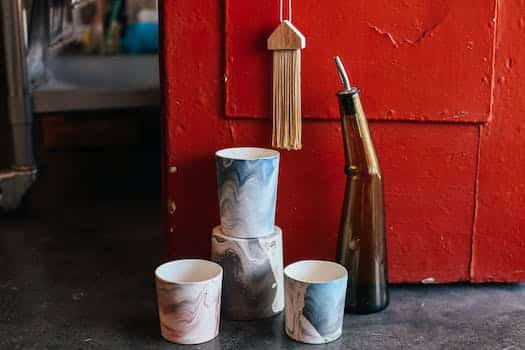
[
  {"x": 253, "y": 274},
  {"x": 315, "y": 301},
  {"x": 247, "y": 187},
  {"x": 189, "y": 300}
]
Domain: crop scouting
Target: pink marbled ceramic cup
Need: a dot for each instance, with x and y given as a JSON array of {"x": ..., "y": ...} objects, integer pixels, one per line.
[{"x": 189, "y": 300}]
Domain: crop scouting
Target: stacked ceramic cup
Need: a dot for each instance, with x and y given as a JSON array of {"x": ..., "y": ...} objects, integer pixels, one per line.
[{"x": 247, "y": 244}]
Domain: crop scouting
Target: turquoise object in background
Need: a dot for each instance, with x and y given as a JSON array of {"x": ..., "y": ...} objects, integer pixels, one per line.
[{"x": 141, "y": 38}]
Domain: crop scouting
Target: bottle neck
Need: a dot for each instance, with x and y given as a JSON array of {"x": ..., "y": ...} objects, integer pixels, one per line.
[{"x": 360, "y": 154}]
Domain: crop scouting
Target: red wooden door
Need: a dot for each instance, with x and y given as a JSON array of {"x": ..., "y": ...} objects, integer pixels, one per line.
[{"x": 431, "y": 79}]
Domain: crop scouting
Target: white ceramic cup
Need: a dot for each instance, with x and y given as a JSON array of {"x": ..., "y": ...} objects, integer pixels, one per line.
[
  {"x": 247, "y": 188},
  {"x": 253, "y": 286},
  {"x": 189, "y": 300},
  {"x": 315, "y": 293}
]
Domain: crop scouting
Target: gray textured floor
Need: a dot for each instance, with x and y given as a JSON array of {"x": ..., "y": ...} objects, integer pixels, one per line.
[{"x": 82, "y": 279}]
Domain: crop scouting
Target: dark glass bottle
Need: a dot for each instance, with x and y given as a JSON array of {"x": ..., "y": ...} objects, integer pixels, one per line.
[{"x": 361, "y": 245}]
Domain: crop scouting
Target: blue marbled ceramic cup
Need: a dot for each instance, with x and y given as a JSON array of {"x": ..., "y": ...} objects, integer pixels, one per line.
[
  {"x": 247, "y": 186},
  {"x": 314, "y": 301},
  {"x": 253, "y": 274}
]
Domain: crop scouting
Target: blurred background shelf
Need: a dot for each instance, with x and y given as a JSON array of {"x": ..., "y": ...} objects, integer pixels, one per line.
[{"x": 86, "y": 82}]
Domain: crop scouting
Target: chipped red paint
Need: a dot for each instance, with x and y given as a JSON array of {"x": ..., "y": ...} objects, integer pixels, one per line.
[
  {"x": 399, "y": 53},
  {"x": 430, "y": 168},
  {"x": 499, "y": 236}
]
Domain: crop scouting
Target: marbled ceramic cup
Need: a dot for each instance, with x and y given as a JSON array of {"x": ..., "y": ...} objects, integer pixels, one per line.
[
  {"x": 247, "y": 187},
  {"x": 314, "y": 301},
  {"x": 253, "y": 274},
  {"x": 189, "y": 300}
]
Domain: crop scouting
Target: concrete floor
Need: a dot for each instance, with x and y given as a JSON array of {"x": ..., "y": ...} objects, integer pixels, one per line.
[{"x": 82, "y": 278}]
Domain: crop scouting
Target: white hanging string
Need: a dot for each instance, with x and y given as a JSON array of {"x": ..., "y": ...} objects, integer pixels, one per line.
[{"x": 281, "y": 10}]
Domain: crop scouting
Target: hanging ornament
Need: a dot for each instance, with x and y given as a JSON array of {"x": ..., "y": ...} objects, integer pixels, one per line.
[{"x": 286, "y": 43}]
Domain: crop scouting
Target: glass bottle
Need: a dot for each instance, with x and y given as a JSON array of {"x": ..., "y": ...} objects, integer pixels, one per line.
[{"x": 361, "y": 245}]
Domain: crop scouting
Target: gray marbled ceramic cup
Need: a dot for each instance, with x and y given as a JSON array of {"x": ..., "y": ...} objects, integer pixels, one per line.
[
  {"x": 315, "y": 301},
  {"x": 253, "y": 274},
  {"x": 189, "y": 300},
  {"x": 247, "y": 188}
]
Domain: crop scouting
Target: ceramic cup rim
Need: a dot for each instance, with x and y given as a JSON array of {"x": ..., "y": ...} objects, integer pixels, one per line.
[
  {"x": 247, "y": 153},
  {"x": 342, "y": 273},
  {"x": 213, "y": 275},
  {"x": 218, "y": 231}
]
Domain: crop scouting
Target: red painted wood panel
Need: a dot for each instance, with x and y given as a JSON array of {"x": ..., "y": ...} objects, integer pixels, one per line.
[
  {"x": 429, "y": 168},
  {"x": 499, "y": 236},
  {"x": 414, "y": 60},
  {"x": 429, "y": 172}
]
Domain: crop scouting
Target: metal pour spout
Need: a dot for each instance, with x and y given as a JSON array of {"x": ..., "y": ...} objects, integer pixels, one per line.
[{"x": 342, "y": 73}]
